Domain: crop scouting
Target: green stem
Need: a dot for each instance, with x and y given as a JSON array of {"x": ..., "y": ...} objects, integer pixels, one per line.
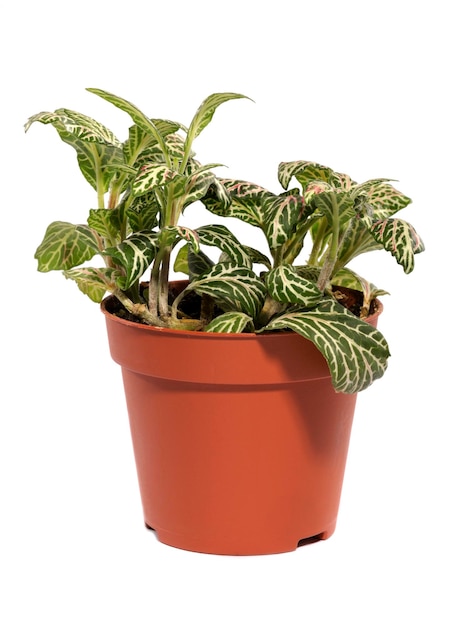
[
  {"x": 163, "y": 284},
  {"x": 317, "y": 244},
  {"x": 327, "y": 269}
]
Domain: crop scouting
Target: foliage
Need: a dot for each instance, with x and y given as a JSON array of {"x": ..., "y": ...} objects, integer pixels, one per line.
[{"x": 143, "y": 186}]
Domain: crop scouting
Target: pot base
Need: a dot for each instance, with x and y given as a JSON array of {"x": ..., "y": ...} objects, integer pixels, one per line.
[{"x": 234, "y": 547}]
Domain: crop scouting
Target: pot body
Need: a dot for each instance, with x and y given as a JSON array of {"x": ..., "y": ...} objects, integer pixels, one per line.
[{"x": 240, "y": 441}]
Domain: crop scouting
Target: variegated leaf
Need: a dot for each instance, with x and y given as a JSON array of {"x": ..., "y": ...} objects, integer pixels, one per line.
[
  {"x": 192, "y": 263},
  {"x": 356, "y": 240},
  {"x": 143, "y": 212},
  {"x": 136, "y": 115},
  {"x": 171, "y": 235},
  {"x": 234, "y": 288},
  {"x": 282, "y": 214},
  {"x": 139, "y": 140},
  {"x": 98, "y": 160},
  {"x": 335, "y": 206},
  {"x": 80, "y": 126},
  {"x": 400, "y": 239},
  {"x": 135, "y": 254},
  {"x": 221, "y": 237},
  {"x": 257, "y": 257},
  {"x": 197, "y": 186},
  {"x": 305, "y": 173},
  {"x": 356, "y": 352},
  {"x": 236, "y": 198},
  {"x": 350, "y": 279},
  {"x": 381, "y": 198},
  {"x": 286, "y": 286},
  {"x": 86, "y": 129},
  {"x": 207, "y": 109},
  {"x": 94, "y": 282},
  {"x": 105, "y": 222},
  {"x": 232, "y": 322},
  {"x": 65, "y": 246},
  {"x": 151, "y": 176}
]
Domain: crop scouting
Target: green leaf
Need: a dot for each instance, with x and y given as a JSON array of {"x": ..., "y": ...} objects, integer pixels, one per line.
[
  {"x": 332, "y": 203},
  {"x": 234, "y": 288},
  {"x": 258, "y": 257},
  {"x": 151, "y": 176},
  {"x": 357, "y": 240},
  {"x": 233, "y": 322},
  {"x": 286, "y": 286},
  {"x": 139, "y": 140},
  {"x": 65, "y": 246},
  {"x": 221, "y": 237},
  {"x": 400, "y": 239},
  {"x": 135, "y": 254},
  {"x": 356, "y": 352},
  {"x": 282, "y": 214},
  {"x": 94, "y": 282},
  {"x": 138, "y": 117},
  {"x": 171, "y": 235},
  {"x": 381, "y": 197},
  {"x": 237, "y": 198},
  {"x": 206, "y": 110},
  {"x": 106, "y": 223},
  {"x": 79, "y": 126},
  {"x": 99, "y": 153},
  {"x": 192, "y": 263},
  {"x": 197, "y": 186},
  {"x": 305, "y": 172},
  {"x": 143, "y": 212}
]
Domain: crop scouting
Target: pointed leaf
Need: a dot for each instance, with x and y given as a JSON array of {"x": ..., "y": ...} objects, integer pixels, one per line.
[
  {"x": 400, "y": 239},
  {"x": 356, "y": 352},
  {"x": 99, "y": 158},
  {"x": 136, "y": 115},
  {"x": 206, "y": 110},
  {"x": 236, "y": 198},
  {"x": 65, "y": 246},
  {"x": 382, "y": 198},
  {"x": 305, "y": 172}
]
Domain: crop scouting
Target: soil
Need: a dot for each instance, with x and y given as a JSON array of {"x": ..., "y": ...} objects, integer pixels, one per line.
[{"x": 191, "y": 304}]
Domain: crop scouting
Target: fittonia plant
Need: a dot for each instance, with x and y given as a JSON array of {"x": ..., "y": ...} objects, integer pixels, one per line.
[{"x": 144, "y": 184}]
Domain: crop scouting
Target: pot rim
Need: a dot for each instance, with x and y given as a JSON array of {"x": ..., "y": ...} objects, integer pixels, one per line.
[{"x": 251, "y": 336}]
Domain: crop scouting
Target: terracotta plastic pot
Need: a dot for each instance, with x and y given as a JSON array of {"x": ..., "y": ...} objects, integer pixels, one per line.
[{"x": 240, "y": 440}]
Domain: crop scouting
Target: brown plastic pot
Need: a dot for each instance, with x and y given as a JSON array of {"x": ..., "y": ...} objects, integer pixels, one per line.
[{"x": 240, "y": 440}]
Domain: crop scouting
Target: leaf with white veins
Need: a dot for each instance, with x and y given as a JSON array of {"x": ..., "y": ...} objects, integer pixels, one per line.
[
  {"x": 287, "y": 286},
  {"x": 356, "y": 352}
]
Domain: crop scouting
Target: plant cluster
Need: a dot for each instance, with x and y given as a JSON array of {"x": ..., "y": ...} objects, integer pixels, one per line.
[{"x": 144, "y": 184}]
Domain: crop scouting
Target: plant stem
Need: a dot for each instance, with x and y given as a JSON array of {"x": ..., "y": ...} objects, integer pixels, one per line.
[
  {"x": 317, "y": 244},
  {"x": 271, "y": 307},
  {"x": 163, "y": 284},
  {"x": 139, "y": 310},
  {"x": 327, "y": 269}
]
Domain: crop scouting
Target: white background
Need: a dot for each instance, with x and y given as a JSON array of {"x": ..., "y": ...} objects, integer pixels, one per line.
[{"x": 367, "y": 88}]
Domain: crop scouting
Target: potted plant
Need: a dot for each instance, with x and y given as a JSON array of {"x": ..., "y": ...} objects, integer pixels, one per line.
[{"x": 241, "y": 380}]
